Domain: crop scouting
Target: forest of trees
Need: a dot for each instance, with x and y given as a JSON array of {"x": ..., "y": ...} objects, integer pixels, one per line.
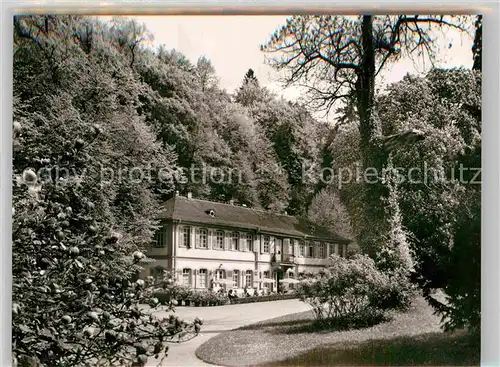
[{"x": 90, "y": 95}]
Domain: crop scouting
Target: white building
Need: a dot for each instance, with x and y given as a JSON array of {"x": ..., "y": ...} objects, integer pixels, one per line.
[{"x": 204, "y": 241}]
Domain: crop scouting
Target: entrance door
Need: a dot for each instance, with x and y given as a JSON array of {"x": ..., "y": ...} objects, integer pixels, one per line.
[{"x": 278, "y": 275}]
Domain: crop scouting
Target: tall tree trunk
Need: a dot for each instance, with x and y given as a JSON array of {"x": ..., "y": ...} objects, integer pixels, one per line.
[
  {"x": 373, "y": 156},
  {"x": 365, "y": 88},
  {"x": 477, "y": 47}
]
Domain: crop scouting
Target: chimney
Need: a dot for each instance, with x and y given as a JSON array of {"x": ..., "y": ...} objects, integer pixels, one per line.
[
  {"x": 231, "y": 201},
  {"x": 244, "y": 205},
  {"x": 190, "y": 195}
]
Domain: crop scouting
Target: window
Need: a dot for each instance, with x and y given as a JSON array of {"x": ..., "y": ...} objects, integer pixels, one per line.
[
  {"x": 202, "y": 278},
  {"x": 248, "y": 278},
  {"x": 220, "y": 274},
  {"x": 302, "y": 249},
  {"x": 159, "y": 238},
  {"x": 186, "y": 237},
  {"x": 291, "y": 245},
  {"x": 266, "y": 274},
  {"x": 201, "y": 238},
  {"x": 321, "y": 250},
  {"x": 310, "y": 250},
  {"x": 219, "y": 240},
  {"x": 249, "y": 242},
  {"x": 186, "y": 277},
  {"x": 235, "y": 239},
  {"x": 343, "y": 250},
  {"x": 265, "y": 248},
  {"x": 236, "y": 278}
]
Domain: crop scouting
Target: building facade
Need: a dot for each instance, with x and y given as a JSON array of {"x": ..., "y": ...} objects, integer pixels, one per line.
[{"x": 204, "y": 242}]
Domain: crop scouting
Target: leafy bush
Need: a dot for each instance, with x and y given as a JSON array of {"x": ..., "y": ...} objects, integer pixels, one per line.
[{"x": 347, "y": 288}]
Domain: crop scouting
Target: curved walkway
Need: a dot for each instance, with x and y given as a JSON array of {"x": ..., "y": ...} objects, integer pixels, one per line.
[{"x": 223, "y": 318}]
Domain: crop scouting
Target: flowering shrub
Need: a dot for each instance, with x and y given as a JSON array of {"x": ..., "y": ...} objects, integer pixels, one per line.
[
  {"x": 347, "y": 288},
  {"x": 77, "y": 244},
  {"x": 74, "y": 299}
]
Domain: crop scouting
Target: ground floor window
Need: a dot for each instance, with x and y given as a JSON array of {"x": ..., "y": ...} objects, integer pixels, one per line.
[
  {"x": 220, "y": 274},
  {"x": 202, "y": 278},
  {"x": 186, "y": 276},
  {"x": 236, "y": 278},
  {"x": 248, "y": 278}
]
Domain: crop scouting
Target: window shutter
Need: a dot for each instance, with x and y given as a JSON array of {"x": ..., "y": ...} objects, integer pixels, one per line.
[
  {"x": 194, "y": 243},
  {"x": 296, "y": 248},
  {"x": 210, "y": 239},
  {"x": 271, "y": 245},
  {"x": 229, "y": 274},
  {"x": 225, "y": 240},
  {"x": 286, "y": 246},
  {"x": 261, "y": 244}
]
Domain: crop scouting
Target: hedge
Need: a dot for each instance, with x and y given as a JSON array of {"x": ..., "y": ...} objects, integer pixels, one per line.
[
  {"x": 165, "y": 298},
  {"x": 273, "y": 297}
]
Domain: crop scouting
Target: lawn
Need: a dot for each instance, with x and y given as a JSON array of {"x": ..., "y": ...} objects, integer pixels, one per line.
[
  {"x": 432, "y": 349},
  {"x": 410, "y": 338}
]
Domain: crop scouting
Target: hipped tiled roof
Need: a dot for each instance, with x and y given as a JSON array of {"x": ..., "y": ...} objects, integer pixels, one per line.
[{"x": 192, "y": 210}]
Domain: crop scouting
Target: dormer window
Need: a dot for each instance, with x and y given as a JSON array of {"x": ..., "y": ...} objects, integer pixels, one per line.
[
  {"x": 211, "y": 212},
  {"x": 312, "y": 229}
]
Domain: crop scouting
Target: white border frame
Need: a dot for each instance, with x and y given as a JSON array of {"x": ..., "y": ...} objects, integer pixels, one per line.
[{"x": 490, "y": 232}]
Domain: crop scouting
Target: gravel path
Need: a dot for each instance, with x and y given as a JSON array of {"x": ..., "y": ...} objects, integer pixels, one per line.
[{"x": 219, "y": 319}]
